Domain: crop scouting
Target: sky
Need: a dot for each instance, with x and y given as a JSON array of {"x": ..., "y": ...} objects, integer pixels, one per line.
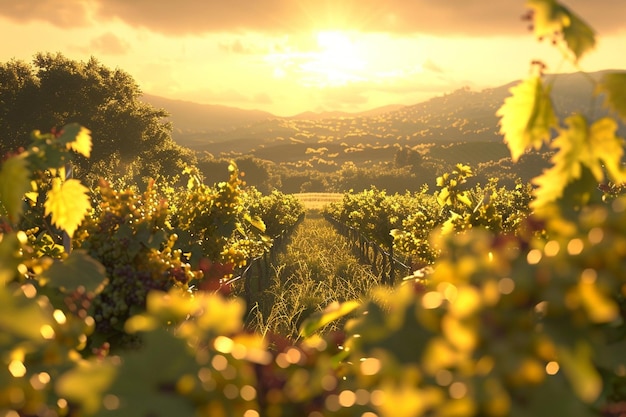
[{"x": 291, "y": 56}]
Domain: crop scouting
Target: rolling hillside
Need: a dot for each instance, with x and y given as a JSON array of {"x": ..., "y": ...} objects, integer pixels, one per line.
[{"x": 457, "y": 127}]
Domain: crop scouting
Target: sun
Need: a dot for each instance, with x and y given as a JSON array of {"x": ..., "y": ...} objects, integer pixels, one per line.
[
  {"x": 329, "y": 58},
  {"x": 337, "y": 60}
]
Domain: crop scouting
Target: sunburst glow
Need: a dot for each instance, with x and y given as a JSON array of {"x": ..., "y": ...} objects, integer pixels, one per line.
[{"x": 339, "y": 59}]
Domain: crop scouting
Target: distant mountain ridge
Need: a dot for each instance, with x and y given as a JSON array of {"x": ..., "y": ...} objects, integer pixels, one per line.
[
  {"x": 460, "y": 116},
  {"x": 190, "y": 117}
]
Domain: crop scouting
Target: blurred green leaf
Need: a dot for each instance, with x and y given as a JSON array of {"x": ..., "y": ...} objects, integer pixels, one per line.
[
  {"x": 595, "y": 147},
  {"x": 78, "y": 269},
  {"x": 613, "y": 85},
  {"x": 77, "y": 138},
  {"x": 146, "y": 383},
  {"x": 551, "y": 18},
  {"x": 331, "y": 313},
  {"x": 14, "y": 184},
  {"x": 86, "y": 383},
  {"x": 581, "y": 372},
  {"x": 10, "y": 247},
  {"x": 22, "y": 317}
]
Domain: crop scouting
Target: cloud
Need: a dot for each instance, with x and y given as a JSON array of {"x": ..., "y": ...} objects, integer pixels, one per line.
[
  {"x": 430, "y": 65},
  {"x": 188, "y": 17},
  {"x": 245, "y": 47},
  {"x": 109, "y": 44},
  {"x": 61, "y": 13}
]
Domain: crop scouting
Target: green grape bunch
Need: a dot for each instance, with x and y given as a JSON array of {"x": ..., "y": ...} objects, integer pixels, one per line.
[{"x": 129, "y": 233}]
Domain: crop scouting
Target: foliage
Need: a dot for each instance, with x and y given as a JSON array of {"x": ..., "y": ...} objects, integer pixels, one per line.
[
  {"x": 407, "y": 221},
  {"x": 507, "y": 324},
  {"x": 55, "y": 91}
]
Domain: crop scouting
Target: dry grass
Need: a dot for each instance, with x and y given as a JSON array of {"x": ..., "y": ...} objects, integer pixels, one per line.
[{"x": 316, "y": 269}]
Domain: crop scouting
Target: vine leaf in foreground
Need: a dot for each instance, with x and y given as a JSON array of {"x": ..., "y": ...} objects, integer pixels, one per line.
[
  {"x": 613, "y": 85},
  {"x": 331, "y": 313},
  {"x": 77, "y": 138},
  {"x": 595, "y": 147},
  {"x": 14, "y": 184},
  {"x": 76, "y": 270},
  {"x": 550, "y": 17},
  {"x": 527, "y": 117},
  {"x": 85, "y": 383},
  {"x": 68, "y": 203}
]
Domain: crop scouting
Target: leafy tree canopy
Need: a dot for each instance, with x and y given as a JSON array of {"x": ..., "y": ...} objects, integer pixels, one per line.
[{"x": 53, "y": 91}]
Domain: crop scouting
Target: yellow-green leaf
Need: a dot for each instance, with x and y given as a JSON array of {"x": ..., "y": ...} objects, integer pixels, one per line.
[
  {"x": 78, "y": 269},
  {"x": 464, "y": 198},
  {"x": 595, "y": 147},
  {"x": 526, "y": 117},
  {"x": 22, "y": 318},
  {"x": 255, "y": 222},
  {"x": 550, "y": 186},
  {"x": 579, "y": 37},
  {"x": 614, "y": 87},
  {"x": 14, "y": 184},
  {"x": 607, "y": 149},
  {"x": 550, "y": 18},
  {"x": 331, "y": 313},
  {"x": 86, "y": 383},
  {"x": 77, "y": 138},
  {"x": 581, "y": 371},
  {"x": 68, "y": 203}
]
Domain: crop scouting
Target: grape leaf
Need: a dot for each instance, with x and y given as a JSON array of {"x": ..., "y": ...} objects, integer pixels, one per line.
[
  {"x": 146, "y": 382},
  {"x": 607, "y": 149},
  {"x": 614, "y": 86},
  {"x": 22, "y": 318},
  {"x": 68, "y": 204},
  {"x": 255, "y": 222},
  {"x": 77, "y": 138},
  {"x": 320, "y": 319},
  {"x": 595, "y": 147},
  {"x": 580, "y": 370},
  {"x": 551, "y": 17},
  {"x": 76, "y": 270},
  {"x": 86, "y": 383},
  {"x": 579, "y": 36},
  {"x": 14, "y": 184},
  {"x": 526, "y": 117}
]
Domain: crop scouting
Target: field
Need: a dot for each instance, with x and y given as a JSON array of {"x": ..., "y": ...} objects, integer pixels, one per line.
[{"x": 317, "y": 201}]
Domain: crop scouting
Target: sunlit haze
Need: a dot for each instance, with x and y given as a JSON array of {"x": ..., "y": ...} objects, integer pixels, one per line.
[{"x": 286, "y": 56}]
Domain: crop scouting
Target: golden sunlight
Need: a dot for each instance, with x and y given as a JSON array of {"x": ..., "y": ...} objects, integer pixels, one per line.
[
  {"x": 338, "y": 60},
  {"x": 325, "y": 59}
]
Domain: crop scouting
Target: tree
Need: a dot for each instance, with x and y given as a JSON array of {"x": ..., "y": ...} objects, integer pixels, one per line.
[{"x": 55, "y": 91}]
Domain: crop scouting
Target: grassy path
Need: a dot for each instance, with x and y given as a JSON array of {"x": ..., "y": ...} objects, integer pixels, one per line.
[{"x": 316, "y": 269}]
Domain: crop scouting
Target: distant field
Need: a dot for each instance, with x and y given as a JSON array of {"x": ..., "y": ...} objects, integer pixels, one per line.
[{"x": 316, "y": 201}]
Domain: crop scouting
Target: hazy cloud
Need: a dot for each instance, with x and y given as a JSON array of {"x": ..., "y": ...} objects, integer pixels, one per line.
[
  {"x": 450, "y": 17},
  {"x": 262, "y": 98},
  {"x": 429, "y": 65},
  {"x": 61, "y": 13},
  {"x": 109, "y": 44},
  {"x": 239, "y": 46}
]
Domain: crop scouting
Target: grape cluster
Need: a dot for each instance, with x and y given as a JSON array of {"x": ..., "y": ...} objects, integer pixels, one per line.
[
  {"x": 129, "y": 234},
  {"x": 79, "y": 301},
  {"x": 124, "y": 295}
]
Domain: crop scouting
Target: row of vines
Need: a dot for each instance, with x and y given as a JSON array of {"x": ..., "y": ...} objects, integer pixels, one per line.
[
  {"x": 402, "y": 224},
  {"x": 522, "y": 312}
]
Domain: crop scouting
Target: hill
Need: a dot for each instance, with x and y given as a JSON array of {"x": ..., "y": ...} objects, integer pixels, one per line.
[
  {"x": 459, "y": 127},
  {"x": 192, "y": 118},
  {"x": 460, "y": 116}
]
